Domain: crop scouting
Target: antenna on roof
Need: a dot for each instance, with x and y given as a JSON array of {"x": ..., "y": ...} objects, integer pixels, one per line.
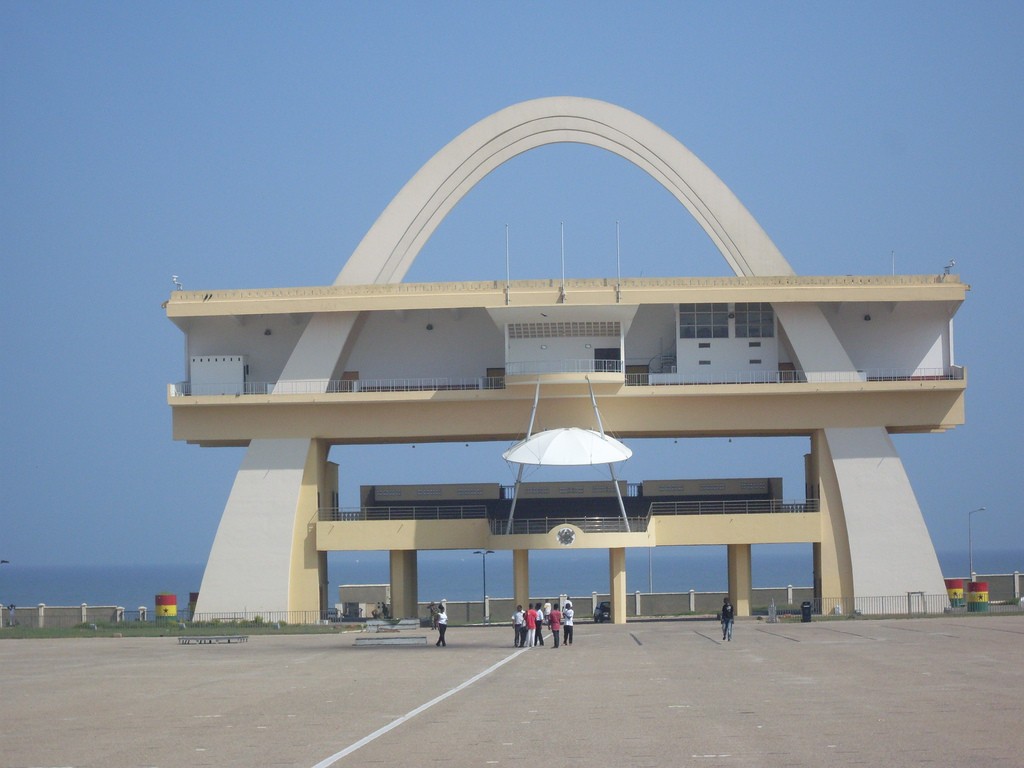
[
  {"x": 506, "y": 267},
  {"x": 561, "y": 288},
  {"x": 618, "y": 266}
]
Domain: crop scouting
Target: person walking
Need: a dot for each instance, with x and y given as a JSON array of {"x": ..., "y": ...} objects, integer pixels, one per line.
[
  {"x": 442, "y": 625},
  {"x": 567, "y": 615},
  {"x": 519, "y": 624},
  {"x": 539, "y": 637},
  {"x": 531, "y": 625},
  {"x": 555, "y": 619},
  {"x": 728, "y": 614}
]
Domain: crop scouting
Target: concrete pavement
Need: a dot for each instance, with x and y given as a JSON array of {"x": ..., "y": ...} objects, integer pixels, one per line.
[{"x": 901, "y": 692}]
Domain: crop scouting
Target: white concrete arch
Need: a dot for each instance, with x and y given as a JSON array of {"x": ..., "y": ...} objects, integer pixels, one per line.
[
  {"x": 255, "y": 563},
  {"x": 393, "y": 242}
]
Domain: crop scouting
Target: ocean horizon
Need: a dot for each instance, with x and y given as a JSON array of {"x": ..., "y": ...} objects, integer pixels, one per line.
[{"x": 459, "y": 575}]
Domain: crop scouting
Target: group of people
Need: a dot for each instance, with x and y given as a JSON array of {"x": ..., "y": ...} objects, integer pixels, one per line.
[{"x": 529, "y": 624}]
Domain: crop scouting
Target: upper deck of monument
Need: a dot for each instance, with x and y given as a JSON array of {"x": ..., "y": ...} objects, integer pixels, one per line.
[{"x": 579, "y": 292}]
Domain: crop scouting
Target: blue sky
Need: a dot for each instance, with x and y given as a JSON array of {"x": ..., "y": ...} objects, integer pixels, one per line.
[{"x": 252, "y": 145}]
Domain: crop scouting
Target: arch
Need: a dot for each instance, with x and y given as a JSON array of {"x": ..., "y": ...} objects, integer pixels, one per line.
[
  {"x": 391, "y": 245},
  {"x": 282, "y": 474}
]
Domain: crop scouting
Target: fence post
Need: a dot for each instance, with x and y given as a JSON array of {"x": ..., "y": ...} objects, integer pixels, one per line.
[
  {"x": 789, "y": 594},
  {"x": 693, "y": 601},
  {"x": 41, "y": 615},
  {"x": 636, "y": 606},
  {"x": 85, "y": 613}
]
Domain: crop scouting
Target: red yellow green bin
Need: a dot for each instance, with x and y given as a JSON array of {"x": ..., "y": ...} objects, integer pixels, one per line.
[
  {"x": 977, "y": 597},
  {"x": 166, "y": 607}
]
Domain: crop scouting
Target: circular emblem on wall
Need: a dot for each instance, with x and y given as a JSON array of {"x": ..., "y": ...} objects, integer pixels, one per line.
[{"x": 566, "y": 536}]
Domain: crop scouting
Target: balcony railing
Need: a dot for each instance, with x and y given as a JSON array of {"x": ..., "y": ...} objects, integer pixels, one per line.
[
  {"x": 733, "y": 507},
  {"x": 443, "y": 383},
  {"x": 537, "y": 367},
  {"x": 411, "y": 512},
  {"x": 541, "y": 525}
]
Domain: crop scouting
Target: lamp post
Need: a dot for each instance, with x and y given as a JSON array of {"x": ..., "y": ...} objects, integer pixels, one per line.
[
  {"x": 483, "y": 559},
  {"x": 970, "y": 541}
]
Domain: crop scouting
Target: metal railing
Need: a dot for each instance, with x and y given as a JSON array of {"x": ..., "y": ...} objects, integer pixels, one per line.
[
  {"x": 445, "y": 383},
  {"x": 584, "y": 365},
  {"x": 542, "y": 525},
  {"x": 954, "y": 373},
  {"x": 733, "y": 507},
  {"x": 402, "y": 512}
]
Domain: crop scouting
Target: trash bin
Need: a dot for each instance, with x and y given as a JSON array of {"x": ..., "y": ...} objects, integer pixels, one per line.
[{"x": 805, "y": 611}]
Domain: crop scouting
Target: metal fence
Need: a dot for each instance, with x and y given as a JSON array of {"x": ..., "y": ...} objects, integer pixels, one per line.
[
  {"x": 541, "y": 525},
  {"x": 733, "y": 507},
  {"x": 664, "y": 604},
  {"x": 535, "y": 367},
  {"x": 409, "y": 512}
]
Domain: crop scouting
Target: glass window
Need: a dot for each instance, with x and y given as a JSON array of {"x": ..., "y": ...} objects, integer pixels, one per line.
[
  {"x": 703, "y": 321},
  {"x": 755, "y": 321}
]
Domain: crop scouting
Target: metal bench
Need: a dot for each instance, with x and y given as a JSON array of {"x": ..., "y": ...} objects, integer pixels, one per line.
[
  {"x": 212, "y": 639},
  {"x": 391, "y": 640}
]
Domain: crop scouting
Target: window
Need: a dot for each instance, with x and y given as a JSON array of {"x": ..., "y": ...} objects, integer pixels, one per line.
[
  {"x": 703, "y": 321},
  {"x": 755, "y": 321}
]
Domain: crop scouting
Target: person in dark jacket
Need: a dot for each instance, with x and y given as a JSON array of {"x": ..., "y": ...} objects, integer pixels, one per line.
[{"x": 728, "y": 614}]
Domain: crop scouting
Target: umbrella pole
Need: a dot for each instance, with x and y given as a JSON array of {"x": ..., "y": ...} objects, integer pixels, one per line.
[
  {"x": 515, "y": 497},
  {"x": 519, "y": 475},
  {"x": 597, "y": 413},
  {"x": 618, "y": 495}
]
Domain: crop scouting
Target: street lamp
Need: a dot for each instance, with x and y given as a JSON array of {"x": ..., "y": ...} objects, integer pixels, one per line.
[
  {"x": 483, "y": 558},
  {"x": 970, "y": 541}
]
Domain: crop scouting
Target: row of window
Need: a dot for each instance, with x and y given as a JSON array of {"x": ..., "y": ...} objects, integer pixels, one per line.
[{"x": 711, "y": 321}]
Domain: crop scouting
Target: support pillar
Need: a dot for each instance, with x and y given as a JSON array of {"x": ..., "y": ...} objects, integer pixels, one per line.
[
  {"x": 740, "y": 583},
  {"x": 404, "y": 584},
  {"x": 617, "y": 583},
  {"x": 521, "y": 576},
  {"x": 264, "y": 557}
]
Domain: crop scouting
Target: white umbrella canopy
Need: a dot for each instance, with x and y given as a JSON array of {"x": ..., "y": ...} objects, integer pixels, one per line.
[{"x": 567, "y": 447}]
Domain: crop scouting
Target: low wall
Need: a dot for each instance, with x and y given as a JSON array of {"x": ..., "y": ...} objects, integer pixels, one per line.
[
  {"x": 637, "y": 604},
  {"x": 60, "y": 616},
  {"x": 1003, "y": 588}
]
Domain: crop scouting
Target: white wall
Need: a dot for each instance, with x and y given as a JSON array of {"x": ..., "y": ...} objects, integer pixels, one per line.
[
  {"x": 651, "y": 335},
  {"x": 903, "y": 336},
  {"x": 460, "y": 344},
  {"x": 266, "y": 355}
]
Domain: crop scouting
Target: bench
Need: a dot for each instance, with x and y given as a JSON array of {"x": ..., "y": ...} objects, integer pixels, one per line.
[
  {"x": 391, "y": 640},
  {"x": 212, "y": 639}
]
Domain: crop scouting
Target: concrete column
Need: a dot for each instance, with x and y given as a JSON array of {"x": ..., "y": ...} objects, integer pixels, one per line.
[
  {"x": 617, "y": 583},
  {"x": 404, "y": 584},
  {"x": 833, "y": 567},
  {"x": 307, "y": 573},
  {"x": 740, "y": 582},
  {"x": 521, "y": 576}
]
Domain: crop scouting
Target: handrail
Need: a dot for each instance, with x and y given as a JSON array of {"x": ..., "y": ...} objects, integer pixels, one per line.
[
  {"x": 584, "y": 365},
  {"x": 445, "y": 383},
  {"x": 407, "y": 512},
  {"x": 542, "y": 525},
  {"x": 733, "y": 507}
]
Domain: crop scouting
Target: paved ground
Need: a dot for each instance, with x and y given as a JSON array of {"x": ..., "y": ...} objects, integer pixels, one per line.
[{"x": 940, "y": 692}]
